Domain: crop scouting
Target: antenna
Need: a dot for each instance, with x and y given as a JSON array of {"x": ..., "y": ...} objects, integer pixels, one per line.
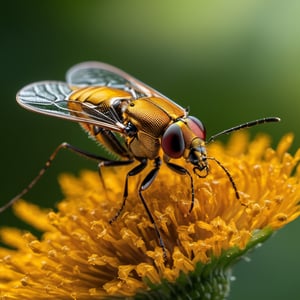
[{"x": 244, "y": 125}]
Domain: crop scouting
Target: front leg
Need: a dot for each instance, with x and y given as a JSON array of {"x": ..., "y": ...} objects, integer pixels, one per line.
[{"x": 182, "y": 171}]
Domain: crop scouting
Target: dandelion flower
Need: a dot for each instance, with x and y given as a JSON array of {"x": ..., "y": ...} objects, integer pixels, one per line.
[{"x": 81, "y": 256}]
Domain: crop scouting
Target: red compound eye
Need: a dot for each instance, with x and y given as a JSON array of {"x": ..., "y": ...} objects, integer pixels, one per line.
[
  {"x": 172, "y": 141},
  {"x": 197, "y": 127}
]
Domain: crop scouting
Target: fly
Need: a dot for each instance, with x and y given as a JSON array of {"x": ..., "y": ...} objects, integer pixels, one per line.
[{"x": 131, "y": 120}]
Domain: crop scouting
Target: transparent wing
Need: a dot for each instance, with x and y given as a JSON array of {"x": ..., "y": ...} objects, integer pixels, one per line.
[
  {"x": 98, "y": 73},
  {"x": 51, "y": 98}
]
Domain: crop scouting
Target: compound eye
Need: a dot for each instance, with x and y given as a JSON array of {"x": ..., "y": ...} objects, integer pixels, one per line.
[
  {"x": 172, "y": 141},
  {"x": 197, "y": 127}
]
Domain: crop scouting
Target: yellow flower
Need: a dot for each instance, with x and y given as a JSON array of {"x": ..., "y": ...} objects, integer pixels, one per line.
[{"x": 82, "y": 256}]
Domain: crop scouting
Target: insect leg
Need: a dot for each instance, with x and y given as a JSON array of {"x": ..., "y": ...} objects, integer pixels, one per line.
[
  {"x": 136, "y": 170},
  {"x": 109, "y": 140},
  {"x": 47, "y": 165},
  {"x": 112, "y": 163},
  {"x": 148, "y": 180},
  {"x": 182, "y": 171}
]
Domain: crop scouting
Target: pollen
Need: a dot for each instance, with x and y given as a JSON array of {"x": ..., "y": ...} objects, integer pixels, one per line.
[{"x": 82, "y": 256}]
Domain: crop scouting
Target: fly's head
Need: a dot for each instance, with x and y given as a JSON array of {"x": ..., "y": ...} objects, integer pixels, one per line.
[
  {"x": 186, "y": 138},
  {"x": 198, "y": 157}
]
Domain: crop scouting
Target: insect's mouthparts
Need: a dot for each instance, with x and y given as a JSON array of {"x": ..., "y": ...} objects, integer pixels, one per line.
[{"x": 201, "y": 171}]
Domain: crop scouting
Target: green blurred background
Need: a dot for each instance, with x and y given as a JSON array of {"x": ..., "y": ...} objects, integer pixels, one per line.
[{"x": 230, "y": 61}]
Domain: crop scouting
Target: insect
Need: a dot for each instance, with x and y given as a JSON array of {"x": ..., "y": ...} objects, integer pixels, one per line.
[{"x": 131, "y": 120}]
